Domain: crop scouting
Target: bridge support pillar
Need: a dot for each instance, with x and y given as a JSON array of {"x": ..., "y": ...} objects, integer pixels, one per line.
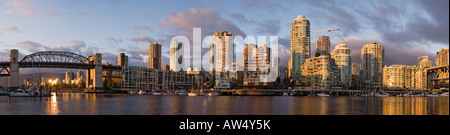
[
  {"x": 14, "y": 70},
  {"x": 94, "y": 77}
]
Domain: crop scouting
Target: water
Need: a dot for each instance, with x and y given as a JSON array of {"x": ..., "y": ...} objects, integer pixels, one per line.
[{"x": 124, "y": 104}]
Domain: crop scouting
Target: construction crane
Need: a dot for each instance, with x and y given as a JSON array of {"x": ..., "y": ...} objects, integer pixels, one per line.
[{"x": 329, "y": 31}]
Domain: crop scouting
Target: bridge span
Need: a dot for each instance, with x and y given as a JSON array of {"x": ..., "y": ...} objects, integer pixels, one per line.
[{"x": 95, "y": 71}]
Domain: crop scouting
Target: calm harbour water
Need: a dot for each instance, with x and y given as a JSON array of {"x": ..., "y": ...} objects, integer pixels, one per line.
[{"x": 124, "y": 104}]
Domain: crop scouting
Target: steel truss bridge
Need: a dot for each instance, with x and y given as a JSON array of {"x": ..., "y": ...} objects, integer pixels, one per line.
[
  {"x": 56, "y": 59},
  {"x": 95, "y": 71},
  {"x": 436, "y": 75}
]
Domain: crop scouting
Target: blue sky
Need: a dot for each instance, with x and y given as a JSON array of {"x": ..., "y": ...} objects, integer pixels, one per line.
[{"x": 407, "y": 28}]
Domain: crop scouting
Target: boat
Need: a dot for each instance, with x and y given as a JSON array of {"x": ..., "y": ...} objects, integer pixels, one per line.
[
  {"x": 323, "y": 95},
  {"x": 214, "y": 94},
  {"x": 406, "y": 95},
  {"x": 156, "y": 93},
  {"x": 20, "y": 93},
  {"x": 192, "y": 94},
  {"x": 132, "y": 92},
  {"x": 171, "y": 94},
  {"x": 445, "y": 94},
  {"x": 434, "y": 94},
  {"x": 417, "y": 95},
  {"x": 141, "y": 92},
  {"x": 182, "y": 93},
  {"x": 4, "y": 92},
  {"x": 383, "y": 94}
]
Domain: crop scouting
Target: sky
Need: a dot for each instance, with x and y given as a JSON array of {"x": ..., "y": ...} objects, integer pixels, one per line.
[{"x": 407, "y": 29}]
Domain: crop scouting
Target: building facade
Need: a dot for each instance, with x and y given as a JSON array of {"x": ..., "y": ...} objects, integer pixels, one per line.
[
  {"x": 154, "y": 56},
  {"x": 442, "y": 57},
  {"x": 400, "y": 77},
  {"x": 147, "y": 79},
  {"x": 372, "y": 61},
  {"x": 256, "y": 62},
  {"x": 300, "y": 45},
  {"x": 122, "y": 60},
  {"x": 323, "y": 45},
  {"x": 343, "y": 58},
  {"x": 221, "y": 59},
  {"x": 424, "y": 62},
  {"x": 354, "y": 69},
  {"x": 176, "y": 55},
  {"x": 320, "y": 73}
]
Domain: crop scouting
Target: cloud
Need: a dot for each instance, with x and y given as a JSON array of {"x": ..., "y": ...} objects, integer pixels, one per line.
[
  {"x": 184, "y": 22},
  {"x": 32, "y": 46},
  {"x": 240, "y": 18},
  {"x": 83, "y": 13},
  {"x": 13, "y": 27},
  {"x": 143, "y": 38},
  {"x": 269, "y": 26},
  {"x": 143, "y": 27},
  {"x": 113, "y": 41},
  {"x": 78, "y": 43},
  {"x": 23, "y": 7},
  {"x": 138, "y": 57},
  {"x": 52, "y": 13},
  {"x": 271, "y": 7}
]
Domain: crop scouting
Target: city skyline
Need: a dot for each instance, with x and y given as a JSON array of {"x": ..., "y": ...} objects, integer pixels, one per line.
[{"x": 99, "y": 27}]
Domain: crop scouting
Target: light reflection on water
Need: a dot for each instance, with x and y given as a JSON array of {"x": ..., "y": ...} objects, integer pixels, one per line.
[{"x": 123, "y": 104}]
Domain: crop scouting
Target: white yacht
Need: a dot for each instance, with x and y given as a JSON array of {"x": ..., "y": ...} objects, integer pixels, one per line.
[
  {"x": 141, "y": 92},
  {"x": 383, "y": 94},
  {"x": 417, "y": 95},
  {"x": 192, "y": 94},
  {"x": 434, "y": 94},
  {"x": 323, "y": 95},
  {"x": 445, "y": 94},
  {"x": 156, "y": 93},
  {"x": 214, "y": 94},
  {"x": 406, "y": 95},
  {"x": 20, "y": 93},
  {"x": 132, "y": 92},
  {"x": 182, "y": 93}
]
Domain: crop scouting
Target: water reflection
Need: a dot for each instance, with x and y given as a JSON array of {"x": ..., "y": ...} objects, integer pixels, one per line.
[
  {"x": 124, "y": 104},
  {"x": 52, "y": 106}
]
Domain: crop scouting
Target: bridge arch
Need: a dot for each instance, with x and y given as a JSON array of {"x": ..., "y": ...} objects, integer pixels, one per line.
[{"x": 55, "y": 57}]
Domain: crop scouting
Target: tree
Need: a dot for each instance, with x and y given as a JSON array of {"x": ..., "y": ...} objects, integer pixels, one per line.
[{"x": 317, "y": 54}]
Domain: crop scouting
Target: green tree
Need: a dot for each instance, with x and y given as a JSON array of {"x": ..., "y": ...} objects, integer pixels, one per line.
[{"x": 317, "y": 54}]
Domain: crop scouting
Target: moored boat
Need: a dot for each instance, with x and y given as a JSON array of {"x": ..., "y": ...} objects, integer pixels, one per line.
[
  {"x": 323, "y": 95},
  {"x": 434, "y": 94},
  {"x": 214, "y": 94},
  {"x": 20, "y": 93},
  {"x": 192, "y": 94},
  {"x": 383, "y": 94}
]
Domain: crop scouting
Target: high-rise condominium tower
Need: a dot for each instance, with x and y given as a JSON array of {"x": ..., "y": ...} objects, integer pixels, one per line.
[
  {"x": 300, "y": 45},
  {"x": 343, "y": 58},
  {"x": 176, "y": 55},
  {"x": 122, "y": 60},
  {"x": 423, "y": 62},
  {"x": 221, "y": 53},
  {"x": 442, "y": 57},
  {"x": 323, "y": 45},
  {"x": 372, "y": 61},
  {"x": 154, "y": 56}
]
